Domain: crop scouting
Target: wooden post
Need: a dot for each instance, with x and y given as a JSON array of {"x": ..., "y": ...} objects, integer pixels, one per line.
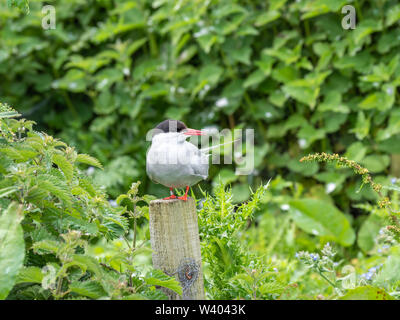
[{"x": 174, "y": 235}]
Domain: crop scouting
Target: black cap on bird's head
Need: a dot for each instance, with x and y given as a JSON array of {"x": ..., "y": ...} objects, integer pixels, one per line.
[
  {"x": 176, "y": 126},
  {"x": 171, "y": 126}
]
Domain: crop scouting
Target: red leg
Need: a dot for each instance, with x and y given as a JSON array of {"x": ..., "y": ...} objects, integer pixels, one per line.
[
  {"x": 184, "y": 198},
  {"x": 172, "y": 196}
]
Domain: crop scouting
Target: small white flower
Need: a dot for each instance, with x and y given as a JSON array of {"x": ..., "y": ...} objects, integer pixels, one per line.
[
  {"x": 222, "y": 102},
  {"x": 72, "y": 85},
  {"x": 268, "y": 114},
  {"x": 389, "y": 91},
  {"x": 302, "y": 143},
  {"x": 330, "y": 187},
  {"x": 90, "y": 170},
  {"x": 285, "y": 207},
  {"x": 126, "y": 71}
]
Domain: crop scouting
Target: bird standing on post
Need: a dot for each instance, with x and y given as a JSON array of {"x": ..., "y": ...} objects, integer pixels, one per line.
[{"x": 174, "y": 162}]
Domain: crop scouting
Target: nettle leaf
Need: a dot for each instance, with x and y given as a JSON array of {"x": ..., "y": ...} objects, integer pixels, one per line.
[
  {"x": 91, "y": 289},
  {"x": 12, "y": 247},
  {"x": 90, "y": 263},
  {"x": 55, "y": 186},
  {"x": 87, "y": 159},
  {"x": 159, "y": 278},
  {"x": 4, "y": 192},
  {"x": 46, "y": 246},
  {"x": 322, "y": 219},
  {"x": 30, "y": 274},
  {"x": 19, "y": 154},
  {"x": 65, "y": 166},
  {"x": 86, "y": 185}
]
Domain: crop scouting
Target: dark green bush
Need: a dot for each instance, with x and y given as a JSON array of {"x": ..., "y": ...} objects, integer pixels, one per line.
[{"x": 111, "y": 70}]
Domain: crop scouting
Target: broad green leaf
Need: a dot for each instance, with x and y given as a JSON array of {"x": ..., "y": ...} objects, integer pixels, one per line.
[
  {"x": 30, "y": 274},
  {"x": 12, "y": 247},
  {"x": 362, "y": 127},
  {"x": 322, "y": 219},
  {"x": 376, "y": 163},
  {"x": 367, "y": 293},
  {"x": 369, "y": 230},
  {"x": 305, "y": 95},
  {"x": 255, "y": 78},
  {"x": 393, "y": 15},
  {"x": 159, "y": 278},
  {"x": 91, "y": 289},
  {"x": 378, "y": 100},
  {"x": 266, "y": 17},
  {"x": 356, "y": 151}
]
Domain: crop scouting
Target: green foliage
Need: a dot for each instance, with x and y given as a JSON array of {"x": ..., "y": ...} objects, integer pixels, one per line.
[
  {"x": 232, "y": 271},
  {"x": 367, "y": 293},
  {"x": 51, "y": 214},
  {"x": 285, "y": 68},
  {"x": 322, "y": 219},
  {"x": 111, "y": 70},
  {"x": 12, "y": 248}
]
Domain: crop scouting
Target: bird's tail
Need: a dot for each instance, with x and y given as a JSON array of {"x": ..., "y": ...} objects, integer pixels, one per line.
[{"x": 216, "y": 146}]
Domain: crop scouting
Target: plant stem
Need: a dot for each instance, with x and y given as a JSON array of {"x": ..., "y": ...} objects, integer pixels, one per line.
[
  {"x": 134, "y": 227},
  {"x": 329, "y": 281}
]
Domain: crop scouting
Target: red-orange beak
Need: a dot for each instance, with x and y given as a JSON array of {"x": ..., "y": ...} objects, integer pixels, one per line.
[{"x": 193, "y": 132}]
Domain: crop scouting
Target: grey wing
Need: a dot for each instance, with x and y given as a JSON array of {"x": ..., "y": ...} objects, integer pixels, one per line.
[{"x": 200, "y": 167}]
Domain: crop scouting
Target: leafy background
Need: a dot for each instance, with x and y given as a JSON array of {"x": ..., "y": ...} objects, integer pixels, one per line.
[{"x": 111, "y": 70}]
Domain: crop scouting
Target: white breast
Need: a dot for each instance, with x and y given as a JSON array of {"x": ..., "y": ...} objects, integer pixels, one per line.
[{"x": 174, "y": 162}]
